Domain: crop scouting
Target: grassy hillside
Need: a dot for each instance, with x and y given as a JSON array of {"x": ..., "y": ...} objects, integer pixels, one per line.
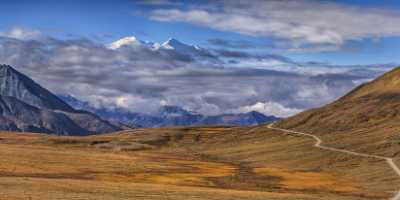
[
  {"x": 186, "y": 163},
  {"x": 365, "y": 120}
]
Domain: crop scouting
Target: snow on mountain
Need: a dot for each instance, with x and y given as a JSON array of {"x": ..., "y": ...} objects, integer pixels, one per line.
[
  {"x": 179, "y": 47},
  {"x": 175, "y": 44},
  {"x": 171, "y": 46}
]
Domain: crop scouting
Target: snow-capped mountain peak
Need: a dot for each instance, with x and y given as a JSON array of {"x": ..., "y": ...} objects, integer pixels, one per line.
[
  {"x": 180, "y": 47},
  {"x": 170, "y": 44},
  {"x": 170, "y": 47},
  {"x": 173, "y": 43}
]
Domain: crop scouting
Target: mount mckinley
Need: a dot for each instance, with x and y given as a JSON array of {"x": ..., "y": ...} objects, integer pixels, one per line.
[{"x": 170, "y": 48}]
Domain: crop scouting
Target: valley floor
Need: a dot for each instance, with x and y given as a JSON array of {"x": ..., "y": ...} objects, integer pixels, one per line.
[{"x": 220, "y": 163}]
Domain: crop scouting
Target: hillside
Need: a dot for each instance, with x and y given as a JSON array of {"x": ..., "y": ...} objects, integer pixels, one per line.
[
  {"x": 365, "y": 120},
  {"x": 218, "y": 163}
]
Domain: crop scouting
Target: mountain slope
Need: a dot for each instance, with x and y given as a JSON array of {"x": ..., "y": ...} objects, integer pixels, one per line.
[
  {"x": 92, "y": 122},
  {"x": 27, "y": 106},
  {"x": 188, "y": 163},
  {"x": 241, "y": 119},
  {"x": 19, "y": 116},
  {"x": 366, "y": 119},
  {"x": 16, "y": 84}
]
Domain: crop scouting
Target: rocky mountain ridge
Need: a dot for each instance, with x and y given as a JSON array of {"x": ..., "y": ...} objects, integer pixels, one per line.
[{"x": 28, "y": 107}]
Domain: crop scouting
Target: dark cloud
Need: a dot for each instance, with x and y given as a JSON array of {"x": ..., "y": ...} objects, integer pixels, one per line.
[
  {"x": 224, "y": 43},
  {"x": 233, "y": 54},
  {"x": 247, "y": 55}
]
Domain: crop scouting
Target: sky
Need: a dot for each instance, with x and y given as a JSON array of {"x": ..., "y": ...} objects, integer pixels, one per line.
[{"x": 276, "y": 57}]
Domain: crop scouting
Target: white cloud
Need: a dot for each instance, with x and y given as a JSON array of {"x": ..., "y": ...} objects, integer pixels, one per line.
[
  {"x": 269, "y": 108},
  {"x": 361, "y": 81},
  {"x": 126, "y": 41},
  {"x": 122, "y": 102},
  {"x": 312, "y": 22},
  {"x": 21, "y": 33}
]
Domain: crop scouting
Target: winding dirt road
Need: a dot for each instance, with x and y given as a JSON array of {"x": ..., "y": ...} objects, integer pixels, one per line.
[{"x": 318, "y": 143}]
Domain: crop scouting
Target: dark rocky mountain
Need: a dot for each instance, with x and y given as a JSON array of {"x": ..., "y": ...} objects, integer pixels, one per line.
[
  {"x": 28, "y": 107},
  {"x": 171, "y": 116},
  {"x": 173, "y": 111},
  {"x": 16, "y": 115},
  {"x": 92, "y": 123},
  {"x": 16, "y": 84},
  {"x": 241, "y": 119}
]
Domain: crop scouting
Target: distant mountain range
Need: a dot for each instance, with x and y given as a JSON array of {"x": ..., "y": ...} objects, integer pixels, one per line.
[
  {"x": 26, "y": 106},
  {"x": 170, "y": 116}
]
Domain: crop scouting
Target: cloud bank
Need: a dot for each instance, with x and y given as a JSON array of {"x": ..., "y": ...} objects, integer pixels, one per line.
[{"x": 142, "y": 79}]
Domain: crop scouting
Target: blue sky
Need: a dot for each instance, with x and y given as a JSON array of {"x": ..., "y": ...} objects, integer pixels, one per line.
[
  {"x": 275, "y": 57},
  {"x": 106, "y": 21}
]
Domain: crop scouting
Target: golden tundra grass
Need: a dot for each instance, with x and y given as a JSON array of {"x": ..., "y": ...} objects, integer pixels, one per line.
[{"x": 218, "y": 163}]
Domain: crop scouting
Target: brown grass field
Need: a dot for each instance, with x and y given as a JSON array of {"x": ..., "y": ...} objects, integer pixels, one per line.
[{"x": 221, "y": 163}]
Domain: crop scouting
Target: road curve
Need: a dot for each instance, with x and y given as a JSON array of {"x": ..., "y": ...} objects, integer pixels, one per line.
[{"x": 318, "y": 143}]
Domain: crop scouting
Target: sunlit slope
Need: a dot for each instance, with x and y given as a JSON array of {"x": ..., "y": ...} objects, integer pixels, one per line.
[{"x": 365, "y": 120}]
